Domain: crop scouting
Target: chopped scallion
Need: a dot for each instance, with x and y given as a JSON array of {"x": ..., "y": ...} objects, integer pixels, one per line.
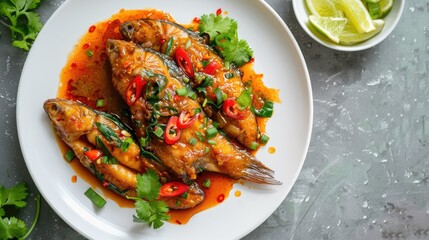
[
  {"x": 188, "y": 44},
  {"x": 100, "y": 103},
  {"x": 143, "y": 142},
  {"x": 200, "y": 136},
  {"x": 182, "y": 92},
  {"x": 95, "y": 198},
  {"x": 205, "y": 62},
  {"x": 89, "y": 53},
  {"x": 69, "y": 156},
  {"x": 126, "y": 144},
  {"x": 169, "y": 46},
  {"x": 211, "y": 142},
  {"x": 264, "y": 138},
  {"x": 216, "y": 124},
  {"x": 206, "y": 183},
  {"x": 211, "y": 133},
  {"x": 192, "y": 95},
  {"x": 158, "y": 132},
  {"x": 254, "y": 145},
  {"x": 193, "y": 141}
]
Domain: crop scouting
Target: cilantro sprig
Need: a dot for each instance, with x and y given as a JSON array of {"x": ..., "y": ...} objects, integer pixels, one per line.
[
  {"x": 12, "y": 227},
  {"x": 148, "y": 209},
  {"x": 223, "y": 32},
  {"x": 23, "y": 22}
]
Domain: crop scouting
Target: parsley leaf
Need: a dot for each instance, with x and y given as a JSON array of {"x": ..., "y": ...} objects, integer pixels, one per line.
[
  {"x": 148, "y": 185},
  {"x": 13, "y": 227},
  {"x": 223, "y": 32},
  {"x": 23, "y": 23},
  {"x": 148, "y": 209},
  {"x": 14, "y": 196}
]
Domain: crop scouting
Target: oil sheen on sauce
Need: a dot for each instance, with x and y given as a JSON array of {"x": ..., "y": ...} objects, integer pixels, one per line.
[{"x": 87, "y": 77}]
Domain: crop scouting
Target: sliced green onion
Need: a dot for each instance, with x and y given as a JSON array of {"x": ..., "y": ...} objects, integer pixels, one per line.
[
  {"x": 200, "y": 136},
  {"x": 182, "y": 92},
  {"x": 245, "y": 98},
  {"x": 192, "y": 95},
  {"x": 206, "y": 183},
  {"x": 211, "y": 142},
  {"x": 264, "y": 138},
  {"x": 95, "y": 197},
  {"x": 184, "y": 195},
  {"x": 100, "y": 103},
  {"x": 211, "y": 133},
  {"x": 197, "y": 110},
  {"x": 69, "y": 156},
  {"x": 193, "y": 141},
  {"x": 216, "y": 124},
  {"x": 89, "y": 53},
  {"x": 204, "y": 102},
  {"x": 185, "y": 79},
  {"x": 266, "y": 111},
  {"x": 143, "y": 142},
  {"x": 207, "y": 150},
  {"x": 169, "y": 46},
  {"x": 219, "y": 96},
  {"x": 158, "y": 132},
  {"x": 254, "y": 145},
  {"x": 126, "y": 144},
  {"x": 205, "y": 62}
]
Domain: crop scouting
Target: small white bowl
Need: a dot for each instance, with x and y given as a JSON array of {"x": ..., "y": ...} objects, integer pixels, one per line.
[{"x": 391, "y": 20}]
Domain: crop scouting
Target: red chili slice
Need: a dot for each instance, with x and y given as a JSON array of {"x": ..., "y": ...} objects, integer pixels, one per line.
[
  {"x": 231, "y": 109},
  {"x": 184, "y": 62},
  {"x": 186, "y": 119},
  {"x": 93, "y": 154},
  {"x": 173, "y": 189},
  {"x": 211, "y": 68},
  {"x": 172, "y": 132},
  {"x": 134, "y": 90}
]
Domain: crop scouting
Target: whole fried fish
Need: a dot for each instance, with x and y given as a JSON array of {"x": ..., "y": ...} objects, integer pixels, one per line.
[
  {"x": 211, "y": 76},
  {"x": 89, "y": 131},
  {"x": 153, "y": 87}
]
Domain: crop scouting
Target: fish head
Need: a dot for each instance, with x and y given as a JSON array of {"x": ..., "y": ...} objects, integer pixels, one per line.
[
  {"x": 147, "y": 32},
  {"x": 70, "y": 119}
]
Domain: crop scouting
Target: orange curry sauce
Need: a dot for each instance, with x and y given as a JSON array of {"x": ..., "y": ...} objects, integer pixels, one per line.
[{"x": 87, "y": 77}]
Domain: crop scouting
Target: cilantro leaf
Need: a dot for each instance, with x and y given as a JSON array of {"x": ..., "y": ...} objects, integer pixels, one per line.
[
  {"x": 13, "y": 196},
  {"x": 216, "y": 24},
  {"x": 13, "y": 227},
  {"x": 148, "y": 185},
  {"x": 223, "y": 32},
  {"x": 149, "y": 210},
  {"x": 23, "y": 23}
]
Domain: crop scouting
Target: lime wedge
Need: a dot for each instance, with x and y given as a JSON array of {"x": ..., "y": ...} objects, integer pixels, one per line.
[
  {"x": 351, "y": 36},
  {"x": 357, "y": 14},
  {"x": 385, "y": 6},
  {"x": 329, "y": 27},
  {"x": 323, "y": 8}
]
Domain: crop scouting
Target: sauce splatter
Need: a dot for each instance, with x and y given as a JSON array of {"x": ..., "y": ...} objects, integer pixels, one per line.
[
  {"x": 237, "y": 193},
  {"x": 74, "y": 179},
  {"x": 271, "y": 150}
]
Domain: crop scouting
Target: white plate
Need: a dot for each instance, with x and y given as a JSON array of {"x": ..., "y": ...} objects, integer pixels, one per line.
[{"x": 277, "y": 56}]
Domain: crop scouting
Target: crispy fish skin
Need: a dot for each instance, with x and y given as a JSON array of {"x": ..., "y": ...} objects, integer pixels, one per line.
[
  {"x": 129, "y": 60},
  {"x": 155, "y": 34},
  {"x": 76, "y": 123}
]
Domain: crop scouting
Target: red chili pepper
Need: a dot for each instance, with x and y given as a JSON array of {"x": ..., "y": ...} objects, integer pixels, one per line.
[
  {"x": 172, "y": 132},
  {"x": 134, "y": 90},
  {"x": 184, "y": 62},
  {"x": 231, "y": 109},
  {"x": 91, "y": 29},
  {"x": 186, "y": 119},
  {"x": 93, "y": 154},
  {"x": 173, "y": 189},
  {"x": 211, "y": 68},
  {"x": 196, "y": 20},
  {"x": 219, "y": 12}
]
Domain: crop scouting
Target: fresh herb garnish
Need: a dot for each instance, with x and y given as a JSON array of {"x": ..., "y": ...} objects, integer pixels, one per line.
[
  {"x": 223, "y": 32},
  {"x": 23, "y": 22},
  {"x": 12, "y": 227},
  {"x": 148, "y": 209}
]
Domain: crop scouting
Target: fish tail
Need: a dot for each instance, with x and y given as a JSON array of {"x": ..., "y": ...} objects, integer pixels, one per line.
[{"x": 259, "y": 173}]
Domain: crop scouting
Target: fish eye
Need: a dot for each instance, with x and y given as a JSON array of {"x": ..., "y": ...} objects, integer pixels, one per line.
[{"x": 112, "y": 47}]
